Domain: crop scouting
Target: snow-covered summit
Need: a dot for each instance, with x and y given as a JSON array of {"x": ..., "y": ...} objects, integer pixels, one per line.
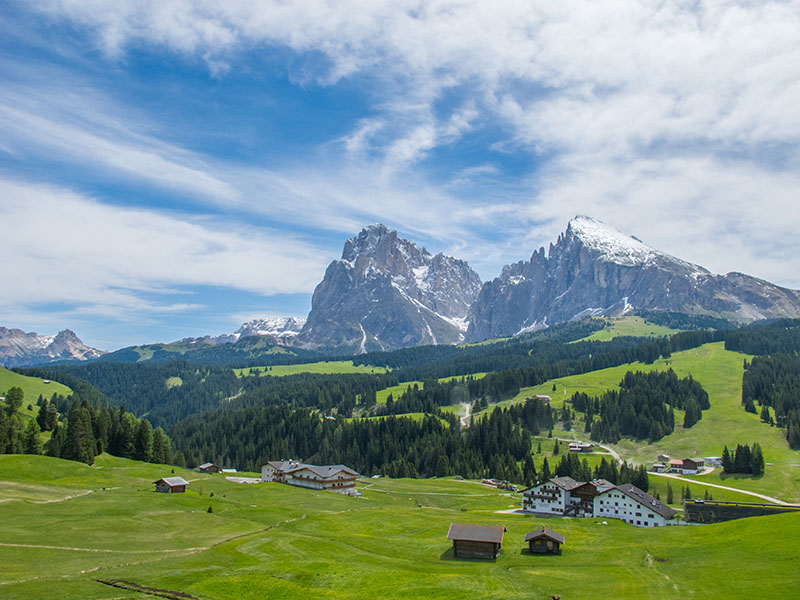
[
  {"x": 620, "y": 248},
  {"x": 613, "y": 245}
]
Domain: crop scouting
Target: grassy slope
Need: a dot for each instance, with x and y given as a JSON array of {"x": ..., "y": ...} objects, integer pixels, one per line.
[
  {"x": 725, "y": 423},
  {"x": 324, "y": 367},
  {"x": 31, "y": 386},
  {"x": 628, "y": 326},
  {"x": 275, "y": 541}
]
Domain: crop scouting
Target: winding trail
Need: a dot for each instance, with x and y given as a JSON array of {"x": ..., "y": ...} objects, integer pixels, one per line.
[{"x": 724, "y": 487}]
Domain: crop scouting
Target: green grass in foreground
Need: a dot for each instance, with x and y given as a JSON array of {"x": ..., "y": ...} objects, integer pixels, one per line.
[
  {"x": 276, "y": 541},
  {"x": 330, "y": 367}
]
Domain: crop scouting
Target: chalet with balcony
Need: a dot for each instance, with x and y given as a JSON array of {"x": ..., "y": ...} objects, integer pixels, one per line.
[{"x": 336, "y": 478}]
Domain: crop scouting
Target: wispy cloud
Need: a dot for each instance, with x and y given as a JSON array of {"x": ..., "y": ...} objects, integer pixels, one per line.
[{"x": 61, "y": 247}]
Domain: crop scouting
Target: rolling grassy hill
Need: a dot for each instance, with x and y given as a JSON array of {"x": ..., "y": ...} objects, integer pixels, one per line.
[
  {"x": 330, "y": 367},
  {"x": 31, "y": 388},
  {"x": 725, "y": 423},
  {"x": 276, "y": 541},
  {"x": 628, "y": 326}
]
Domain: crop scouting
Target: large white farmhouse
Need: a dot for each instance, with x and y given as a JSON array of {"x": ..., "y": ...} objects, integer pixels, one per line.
[
  {"x": 337, "y": 478},
  {"x": 564, "y": 496}
]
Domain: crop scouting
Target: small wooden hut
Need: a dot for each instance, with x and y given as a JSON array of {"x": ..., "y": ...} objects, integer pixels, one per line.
[
  {"x": 208, "y": 468},
  {"x": 171, "y": 485},
  {"x": 476, "y": 541},
  {"x": 544, "y": 541}
]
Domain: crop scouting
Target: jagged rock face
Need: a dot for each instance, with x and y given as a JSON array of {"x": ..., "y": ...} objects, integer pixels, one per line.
[
  {"x": 387, "y": 293},
  {"x": 279, "y": 327},
  {"x": 595, "y": 270},
  {"x": 21, "y": 349}
]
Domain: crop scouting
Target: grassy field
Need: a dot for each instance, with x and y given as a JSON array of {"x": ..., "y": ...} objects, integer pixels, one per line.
[
  {"x": 628, "y": 326},
  {"x": 397, "y": 390},
  {"x": 31, "y": 386},
  {"x": 725, "y": 423},
  {"x": 331, "y": 367},
  {"x": 276, "y": 541}
]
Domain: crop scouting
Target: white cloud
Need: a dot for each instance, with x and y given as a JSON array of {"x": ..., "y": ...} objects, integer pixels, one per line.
[
  {"x": 659, "y": 118},
  {"x": 60, "y": 247}
]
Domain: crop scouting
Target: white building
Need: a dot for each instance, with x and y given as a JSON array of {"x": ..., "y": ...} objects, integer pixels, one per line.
[
  {"x": 337, "y": 478},
  {"x": 563, "y": 496},
  {"x": 551, "y": 497},
  {"x": 630, "y": 504}
]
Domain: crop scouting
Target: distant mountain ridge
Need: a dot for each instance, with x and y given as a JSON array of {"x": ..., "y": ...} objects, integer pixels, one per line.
[
  {"x": 18, "y": 348},
  {"x": 386, "y": 293},
  {"x": 593, "y": 269}
]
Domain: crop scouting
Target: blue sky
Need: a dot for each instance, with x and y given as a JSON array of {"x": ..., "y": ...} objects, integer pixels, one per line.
[{"x": 173, "y": 168}]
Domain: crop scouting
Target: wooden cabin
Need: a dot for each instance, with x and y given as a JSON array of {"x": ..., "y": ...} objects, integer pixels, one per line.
[
  {"x": 544, "y": 541},
  {"x": 208, "y": 468},
  {"x": 171, "y": 485},
  {"x": 476, "y": 541}
]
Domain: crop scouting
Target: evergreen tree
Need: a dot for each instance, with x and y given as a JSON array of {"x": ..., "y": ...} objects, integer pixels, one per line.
[
  {"x": 670, "y": 494},
  {"x": 143, "y": 443},
  {"x": 79, "y": 443},
  {"x": 32, "y": 442},
  {"x": 692, "y": 414},
  {"x": 756, "y": 460},
  {"x": 556, "y": 449},
  {"x": 546, "y": 475},
  {"x": 161, "y": 450},
  {"x": 14, "y": 398},
  {"x": 727, "y": 461}
]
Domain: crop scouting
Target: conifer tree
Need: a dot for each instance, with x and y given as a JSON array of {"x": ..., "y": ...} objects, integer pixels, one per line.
[{"x": 32, "y": 442}]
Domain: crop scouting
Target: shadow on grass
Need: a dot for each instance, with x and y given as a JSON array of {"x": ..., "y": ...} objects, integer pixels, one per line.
[
  {"x": 448, "y": 555},
  {"x": 737, "y": 476},
  {"x": 527, "y": 552}
]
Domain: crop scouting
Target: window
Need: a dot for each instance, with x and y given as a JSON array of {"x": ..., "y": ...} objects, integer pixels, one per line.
[{"x": 650, "y": 516}]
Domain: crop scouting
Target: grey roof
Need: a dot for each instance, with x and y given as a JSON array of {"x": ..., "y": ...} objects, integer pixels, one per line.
[
  {"x": 646, "y": 500},
  {"x": 546, "y": 533},
  {"x": 566, "y": 483},
  {"x": 476, "y": 533},
  {"x": 173, "y": 481},
  {"x": 290, "y": 466}
]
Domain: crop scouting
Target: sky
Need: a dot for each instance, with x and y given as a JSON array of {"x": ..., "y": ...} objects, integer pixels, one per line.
[{"x": 173, "y": 168}]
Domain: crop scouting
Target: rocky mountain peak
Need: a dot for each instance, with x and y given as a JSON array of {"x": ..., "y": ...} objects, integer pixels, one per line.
[
  {"x": 21, "y": 349},
  {"x": 387, "y": 292},
  {"x": 594, "y": 269}
]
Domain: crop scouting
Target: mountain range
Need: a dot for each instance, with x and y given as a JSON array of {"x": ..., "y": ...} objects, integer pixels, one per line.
[{"x": 387, "y": 293}]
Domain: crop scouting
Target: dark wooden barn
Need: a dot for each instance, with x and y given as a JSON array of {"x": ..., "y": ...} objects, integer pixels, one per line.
[
  {"x": 544, "y": 541},
  {"x": 171, "y": 485},
  {"x": 208, "y": 468},
  {"x": 476, "y": 541}
]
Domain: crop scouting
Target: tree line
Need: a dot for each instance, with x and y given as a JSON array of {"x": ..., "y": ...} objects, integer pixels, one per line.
[
  {"x": 774, "y": 381},
  {"x": 744, "y": 459},
  {"x": 82, "y": 432},
  {"x": 643, "y": 407}
]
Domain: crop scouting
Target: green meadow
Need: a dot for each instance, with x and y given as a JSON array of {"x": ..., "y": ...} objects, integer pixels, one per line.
[
  {"x": 628, "y": 326},
  {"x": 31, "y": 386},
  {"x": 67, "y": 524},
  {"x": 331, "y": 367},
  {"x": 725, "y": 423}
]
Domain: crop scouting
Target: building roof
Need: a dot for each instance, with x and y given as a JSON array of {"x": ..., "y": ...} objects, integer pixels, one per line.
[
  {"x": 646, "y": 500},
  {"x": 675, "y": 462},
  {"x": 544, "y": 532},
  {"x": 205, "y": 466},
  {"x": 326, "y": 471},
  {"x": 567, "y": 483},
  {"x": 173, "y": 481},
  {"x": 476, "y": 533}
]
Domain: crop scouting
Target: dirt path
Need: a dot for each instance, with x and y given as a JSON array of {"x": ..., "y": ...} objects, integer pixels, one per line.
[
  {"x": 467, "y": 414},
  {"x": 722, "y": 487}
]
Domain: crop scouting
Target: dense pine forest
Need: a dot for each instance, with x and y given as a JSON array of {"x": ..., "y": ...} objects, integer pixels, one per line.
[
  {"x": 211, "y": 414},
  {"x": 81, "y": 429}
]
